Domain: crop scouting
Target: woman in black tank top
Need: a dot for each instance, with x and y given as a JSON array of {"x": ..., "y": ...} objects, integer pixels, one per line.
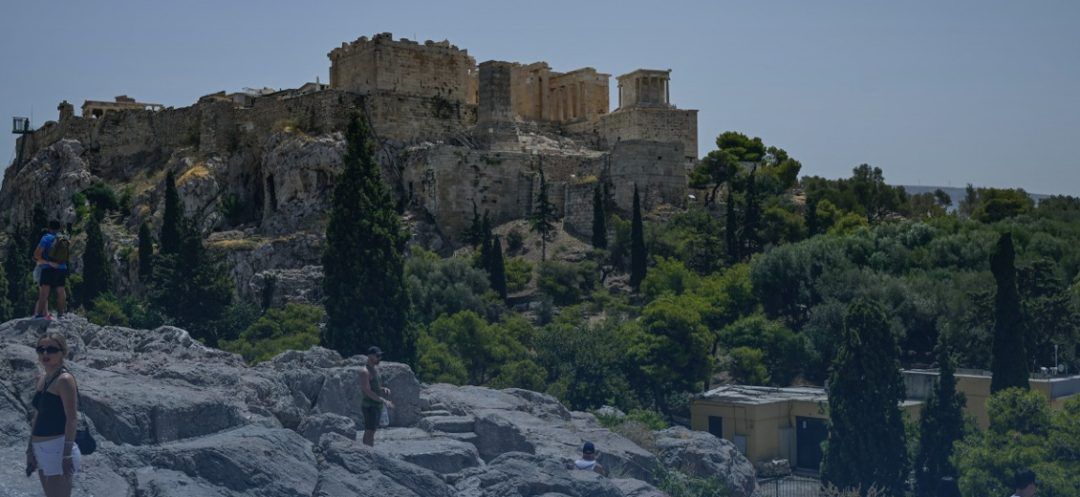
[{"x": 52, "y": 450}]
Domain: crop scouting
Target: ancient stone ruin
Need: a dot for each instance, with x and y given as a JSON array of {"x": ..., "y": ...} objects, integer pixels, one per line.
[{"x": 256, "y": 167}]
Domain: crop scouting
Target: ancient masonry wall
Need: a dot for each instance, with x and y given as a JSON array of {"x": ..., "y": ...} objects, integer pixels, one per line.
[
  {"x": 495, "y": 100},
  {"x": 658, "y": 168},
  {"x": 218, "y": 127},
  {"x": 661, "y": 125},
  {"x": 434, "y": 69}
]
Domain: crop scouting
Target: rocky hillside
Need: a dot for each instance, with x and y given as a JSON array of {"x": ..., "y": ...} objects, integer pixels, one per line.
[{"x": 176, "y": 418}]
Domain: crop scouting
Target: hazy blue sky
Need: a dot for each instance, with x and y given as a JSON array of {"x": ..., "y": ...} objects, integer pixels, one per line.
[{"x": 938, "y": 93}]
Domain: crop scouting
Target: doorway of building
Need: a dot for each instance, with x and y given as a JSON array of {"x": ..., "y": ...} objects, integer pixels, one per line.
[
  {"x": 716, "y": 426},
  {"x": 809, "y": 433}
]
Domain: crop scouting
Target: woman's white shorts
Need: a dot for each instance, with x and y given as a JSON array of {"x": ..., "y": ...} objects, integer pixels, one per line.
[{"x": 50, "y": 456}]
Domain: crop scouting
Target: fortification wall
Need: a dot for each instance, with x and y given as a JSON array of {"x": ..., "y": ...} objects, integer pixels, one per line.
[
  {"x": 578, "y": 208},
  {"x": 411, "y": 118},
  {"x": 433, "y": 69},
  {"x": 658, "y": 169},
  {"x": 661, "y": 125}
]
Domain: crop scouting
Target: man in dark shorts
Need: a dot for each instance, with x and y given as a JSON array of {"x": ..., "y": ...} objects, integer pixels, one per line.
[
  {"x": 374, "y": 395},
  {"x": 54, "y": 270}
]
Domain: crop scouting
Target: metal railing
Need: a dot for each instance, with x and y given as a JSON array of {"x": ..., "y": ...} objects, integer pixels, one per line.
[{"x": 789, "y": 486}]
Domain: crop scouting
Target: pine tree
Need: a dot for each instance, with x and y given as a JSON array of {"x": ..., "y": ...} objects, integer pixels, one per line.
[
  {"x": 940, "y": 426},
  {"x": 146, "y": 253},
  {"x": 637, "y": 244},
  {"x": 364, "y": 282},
  {"x": 191, "y": 286},
  {"x": 599, "y": 219},
  {"x": 866, "y": 445},
  {"x": 1008, "y": 364},
  {"x": 542, "y": 220},
  {"x": 97, "y": 274},
  {"x": 497, "y": 268},
  {"x": 171, "y": 219}
]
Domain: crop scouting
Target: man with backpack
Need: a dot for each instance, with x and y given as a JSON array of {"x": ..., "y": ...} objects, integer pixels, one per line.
[{"x": 52, "y": 255}]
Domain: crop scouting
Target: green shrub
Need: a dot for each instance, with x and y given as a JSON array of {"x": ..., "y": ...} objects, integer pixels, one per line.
[
  {"x": 567, "y": 282},
  {"x": 683, "y": 483},
  {"x": 518, "y": 274},
  {"x": 515, "y": 241},
  {"x": 107, "y": 311},
  {"x": 294, "y": 327}
]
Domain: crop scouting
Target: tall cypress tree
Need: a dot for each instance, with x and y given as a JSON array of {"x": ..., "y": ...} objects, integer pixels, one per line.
[
  {"x": 364, "y": 282},
  {"x": 542, "y": 219},
  {"x": 941, "y": 424},
  {"x": 731, "y": 225},
  {"x": 18, "y": 268},
  {"x": 38, "y": 222},
  {"x": 474, "y": 234},
  {"x": 751, "y": 216},
  {"x": 97, "y": 275},
  {"x": 485, "y": 242},
  {"x": 497, "y": 268},
  {"x": 191, "y": 286},
  {"x": 146, "y": 252},
  {"x": 599, "y": 219},
  {"x": 6, "y": 310},
  {"x": 866, "y": 445},
  {"x": 1008, "y": 364},
  {"x": 171, "y": 218},
  {"x": 637, "y": 244}
]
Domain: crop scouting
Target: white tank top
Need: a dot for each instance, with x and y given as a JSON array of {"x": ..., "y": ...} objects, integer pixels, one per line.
[{"x": 583, "y": 464}]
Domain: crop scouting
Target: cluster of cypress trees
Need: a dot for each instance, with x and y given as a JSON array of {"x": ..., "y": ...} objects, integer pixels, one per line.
[{"x": 184, "y": 280}]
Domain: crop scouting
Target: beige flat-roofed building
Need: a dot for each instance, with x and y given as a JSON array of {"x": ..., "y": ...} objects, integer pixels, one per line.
[
  {"x": 975, "y": 385},
  {"x": 768, "y": 423}
]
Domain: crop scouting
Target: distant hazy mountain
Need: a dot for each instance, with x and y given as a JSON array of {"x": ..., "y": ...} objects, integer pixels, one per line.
[{"x": 956, "y": 194}]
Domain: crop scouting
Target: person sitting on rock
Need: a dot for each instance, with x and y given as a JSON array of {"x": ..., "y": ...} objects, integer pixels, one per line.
[
  {"x": 51, "y": 255},
  {"x": 374, "y": 401},
  {"x": 588, "y": 460}
]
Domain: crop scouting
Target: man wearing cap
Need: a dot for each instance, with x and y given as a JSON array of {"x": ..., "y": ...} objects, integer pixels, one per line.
[
  {"x": 374, "y": 395},
  {"x": 588, "y": 460},
  {"x": 1024, "y": 484}
]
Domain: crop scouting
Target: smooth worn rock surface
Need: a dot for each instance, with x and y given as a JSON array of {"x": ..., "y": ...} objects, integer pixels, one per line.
[{"x": 176, "y": 418}]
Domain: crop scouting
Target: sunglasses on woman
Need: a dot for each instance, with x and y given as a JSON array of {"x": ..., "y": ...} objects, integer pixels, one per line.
[{"x": 48, "y": 350}]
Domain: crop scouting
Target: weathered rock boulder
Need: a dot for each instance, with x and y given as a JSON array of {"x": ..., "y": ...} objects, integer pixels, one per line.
[
  {"x": 441, "y": 454},
  {"x": 701, "y": 453},
  {"x": 174, "y": 417},
  {"x": 515, "y": 420},
  {"x": 350, "y": 468},
  {"x": 517, "y": 474},
  {"x": 314, "y": 427}
]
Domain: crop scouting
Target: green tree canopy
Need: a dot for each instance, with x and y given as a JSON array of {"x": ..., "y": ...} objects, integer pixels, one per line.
[
  {"x": 364, "y": 287},
  {"x": 867, "y": 445}
]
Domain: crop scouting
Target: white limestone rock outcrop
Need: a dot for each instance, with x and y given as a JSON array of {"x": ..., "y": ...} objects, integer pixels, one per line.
[{"x": 173, "y": 417}]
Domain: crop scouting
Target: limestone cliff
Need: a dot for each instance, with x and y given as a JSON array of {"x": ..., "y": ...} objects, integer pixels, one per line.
[{"x": 257, "y": 179}]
